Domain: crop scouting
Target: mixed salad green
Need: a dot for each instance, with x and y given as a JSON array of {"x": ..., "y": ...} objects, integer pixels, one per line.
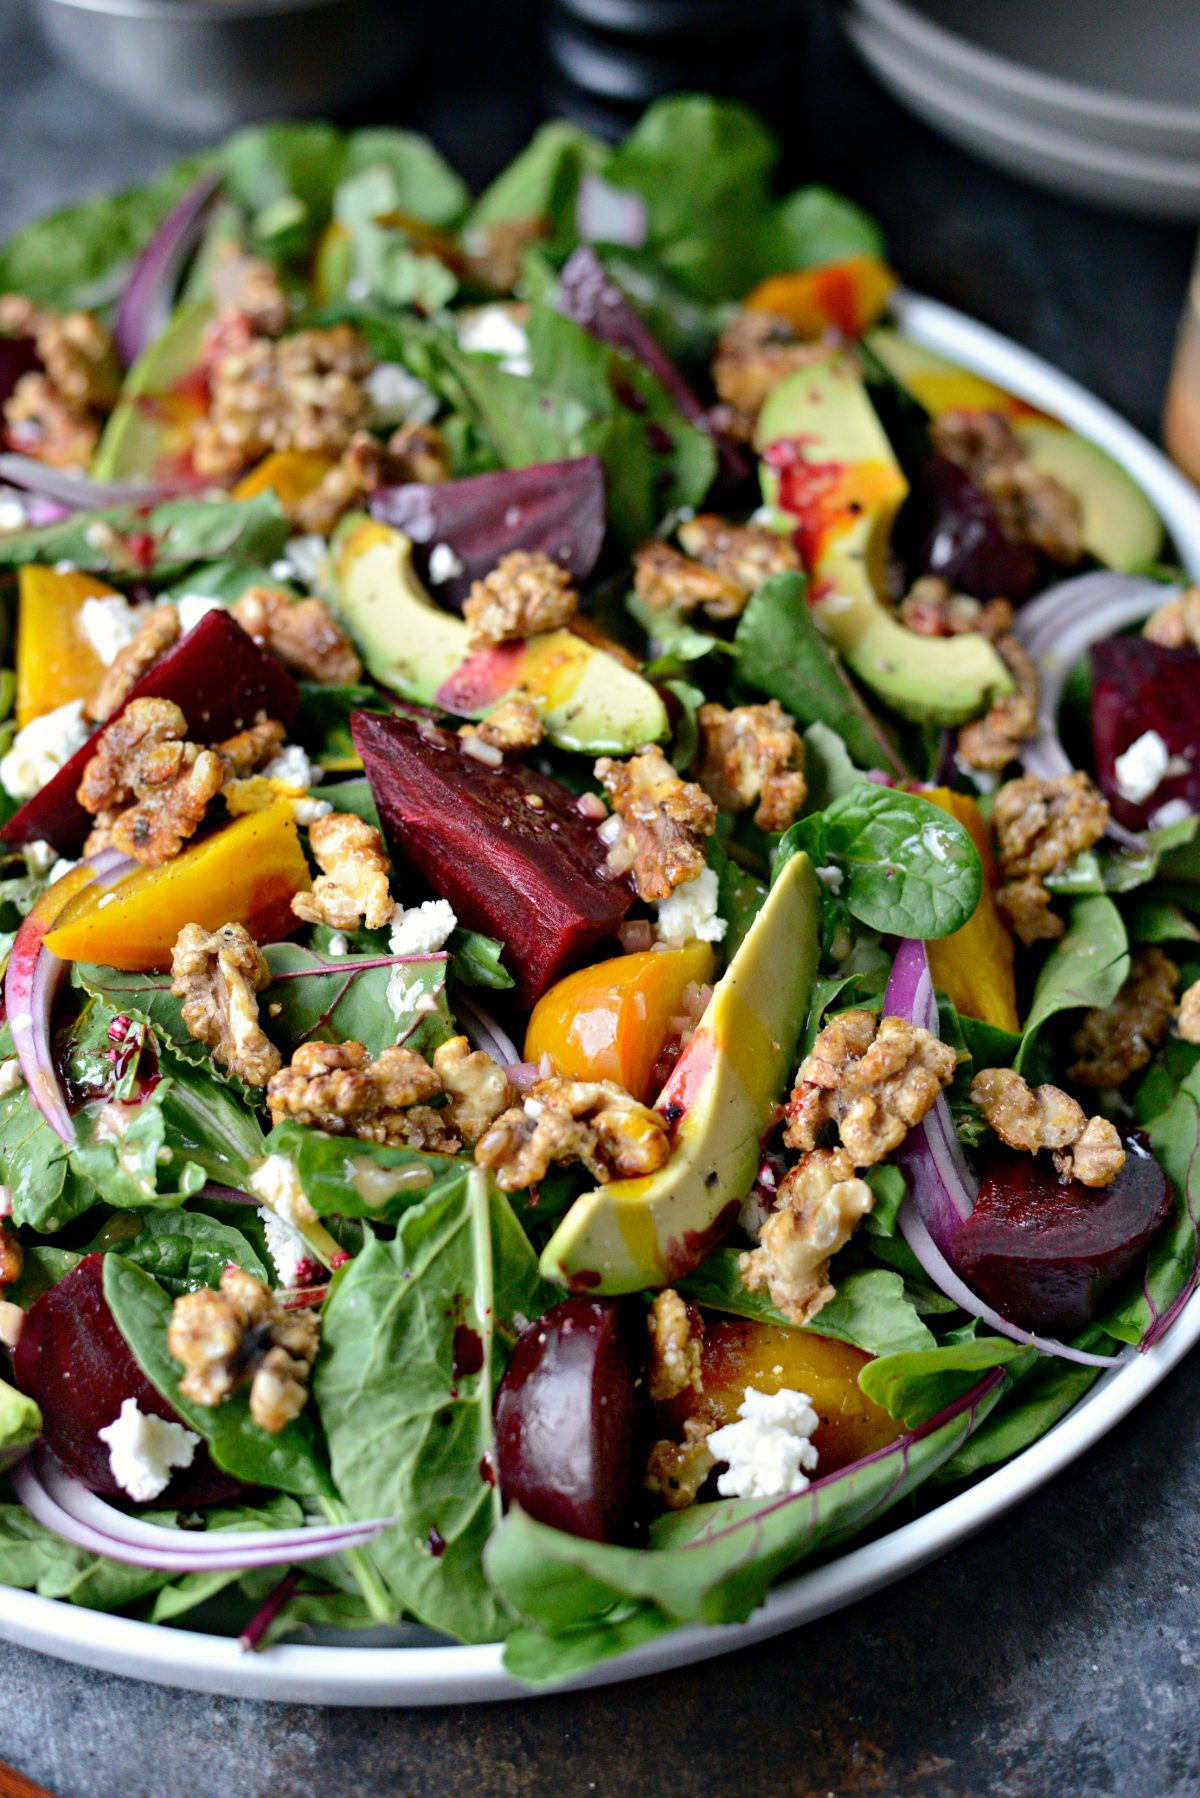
[{"x": 599, "y": 890}]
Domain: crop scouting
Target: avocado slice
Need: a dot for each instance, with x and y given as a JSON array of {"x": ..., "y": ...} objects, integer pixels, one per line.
[
  {"x": 590, "y": 702},
  {"x": 829, "y": 470},
  {"x": 937, "y": 383},
  {"x": 20, "y": 1423},
  {"x": 1120, "y": 526},
  {"x": 649, "y": 1232},
  {"x": 147, "y": 436}
]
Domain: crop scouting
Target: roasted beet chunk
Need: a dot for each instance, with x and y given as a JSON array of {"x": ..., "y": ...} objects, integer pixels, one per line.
[
  {"x": 949, "y": 528},
  {"x": 73, "y": 1361},
  {"x": 506, "y": 846},
  {"x": 1049, "y": 1253},
  {"x": 221, "y": 681},
  {"x": 1140, "y": 687}
]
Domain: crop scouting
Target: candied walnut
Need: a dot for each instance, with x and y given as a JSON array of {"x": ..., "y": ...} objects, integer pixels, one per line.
[
  {"x": 477, "y": 1087},
  {"x": 352, "y": 889},
  {"x": 1114, "y": 1041},
  {"x": 753, "y": 752},
  {"x": 303, "y": 392},
  {"x": 525, "y": 593},
  {"x": 339, "y": 1088},
  {"x": 241, "y": 1333},
  {"x": 217, "y": 974},
  {"x": 665, "y": 822},
  {"x": 158, "y": 631},
  {"x": 515, "y": 725},
  {"x": 745, "y": 555},
  {"x": 78, "y": 356},
  {"x": 1176, "y": 623},
  {"x": 592, "y": 1121},
  {"x": 1040, "y": 826},
  {"x": 12, "y": 1258},
  {"x": 301, "y": 634},
  {"x": 247, "y": 287},
  {"x": 42, "y": 424},
  {"x": 821, "y": 1203},
  {"x": 413, "y": 453},
  {"x": 1032, "y": 507},
  {"x": 676, "y": 1471},
  {"x": 492, "y": 253},
  {"x": 251, "y": 749},
  {"x": 1044, "y": 1117},
  {"x": 419, "y": 453},
  {"x": 142, "y": 756},
  {"x": 932, "y": 608},
  {"x": 754, "y": 353},
  {"x": 992, "y": 742},
  {"x": 1188, "y": 1018},
  {"x": 676, "y": 1340},
  {"x": 874, "y": 1079},
  {"x": 57, "y": 414},
  {"x": 665, "y": 578}
]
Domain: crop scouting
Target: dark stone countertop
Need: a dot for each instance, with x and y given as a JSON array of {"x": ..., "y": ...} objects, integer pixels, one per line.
[{"x": 1057, "y": 1652}]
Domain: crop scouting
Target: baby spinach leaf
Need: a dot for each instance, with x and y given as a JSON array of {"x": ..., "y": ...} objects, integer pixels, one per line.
[
  {"x": 915, "y": 1385},
  {"x": 184, "y": 1594},
  {"x": 124, "y": 541},
  {"x": 44, "y": 1267},
  {"x": 384, "y": 262},
  {"x": 890, "y": 1189},
  {"x": 476, "y": 960},
  {"x": 140, "y": 1167},
  {"x": 33, "y": 1559},
  {"x": 1087, "y": 967},
  {"x": 20, "y": 1422},
  {"x": 542, "y": 181},
  {"x": 739, "y": 897},
  {"x": 47, "y": 1190},
  {"x": 408, "y": 1417},
  {"x": 423, "y": 183},
  {"x": 341, "y": 1177},
  {"x": 870, "y": 1309},
  {"x": 828, "y": 769},
  {"x": 184, "y": 1250},
  {"x": 287, "y": 1461},
  {"x": 1039, "y": 1397}
]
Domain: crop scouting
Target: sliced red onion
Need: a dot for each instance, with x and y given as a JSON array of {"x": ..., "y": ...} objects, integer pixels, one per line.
[
  {"x": 149, "y": 297},
  {"x": 32, "y": 983},
  {"x": 523, "y": 1074},
  {"x": 64, "y": 1505},
  {"x": 608, "y": 214},
  {"x": 272, "y": 1605},
  {"x": 77, "y": 493},
  {"x": 483, "y": 1032}
]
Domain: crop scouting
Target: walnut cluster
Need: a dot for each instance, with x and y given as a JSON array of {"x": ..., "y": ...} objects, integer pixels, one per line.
[
  {"x": 302, "y": 392},
  {"x": 146, "y": 785},
  {"x": 676, "y": 1345},
  {"x": 753, "y": 755},
  {"x": 246, "y": 288},
  {"x": 158, "y": 632},
  {"x": 300, "y": 633},
  {"x": 594, "y": 1122},
  {"x": 993, "y": 741},
  {"x": 1187, "y": 1020},
  {"x": 412, "y": 453},
  {"x": 513, "y": 727},
  {"x": 820, "y": 1204},
  {"x": 875, "y": 1078},
  {"x": 352, "y": 891},
  {"x": 1033, "y": 508},
  {"x": 719, "y": 568},
  {"x": 1044, "y": 1117},
  {"x": 675, "y": 1471},
  {"x": 1115, "y": 1041},
  {"x": 754, "y": 353},
  {"x": 665, "y": 819},
  {"x": 238, "y": 1334},
  {"x": 12, "y": 1258},
  {"x": 218, "y": 974},
  {"x": 1176, "y": 623},
  {"x": 1040, "y": 827},
  {"x": 339, "y": 1088},
  {"x": 525, "y": 593},
  {"x": 932, "y": 608},
  {"x": 57, "y": 414}
]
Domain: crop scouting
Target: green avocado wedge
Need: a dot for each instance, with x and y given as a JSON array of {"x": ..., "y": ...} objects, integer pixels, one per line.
[
  {"x": 20, "y": 1423},
  {"x": 148, "y": 434},
  {"x": 829, "y": 467},
  {"x": 590, "y": 702},
  {"x": 654, "y": 1230}
]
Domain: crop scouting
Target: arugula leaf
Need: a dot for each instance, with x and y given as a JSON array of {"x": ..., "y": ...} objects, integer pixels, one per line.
[
  {"x": 287, "y": 1461},
  {"x": 782, "y": 653},
  {"x": 408, "y": 1433},
  {"x": 908, "y": 868},
  {"x": 1086, "y": 967},
  {"x": 341, "y": 1177},
  {"x": 185, "y": 1250},
  {"x": 173, "y": 534},
  {"x": 914, "y": 1385}
]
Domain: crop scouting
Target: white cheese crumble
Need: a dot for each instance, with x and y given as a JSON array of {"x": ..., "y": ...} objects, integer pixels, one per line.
[
  {"x": 309, "y": 810},
  {"x": 40, "y": 857},
  {"x": 397, "y": 397},
  {"x": 143, "y": 1452},
  {"x": 14, "y": 514},
  {"x": 192, "y": 607},
  {"x": 276, "y": 1182},
  {"x": 287, "y": 1247},
  {"x": 293, "y": 768},
  {"x": 42, "y": 748},
  {"x": 1175, "y": 811},
  {"x": 444, "y": 565},
  {"x": 12, "y": 1322},
  {"x": 768, "y": 1449},
  {"x": 422, "y": 929},
  {"x": 302, "y": 561},
  {"x": 61, "y": 869},
  {"x": 691, "y": 911},
  {"x": 10, "y": 1076},
  {"x": 108, "y": 625},
  {"x": 408, "y": 998},
  {"x": 493, "y": 331},
  {"x": 830, "y": 878},
  {"x": 339, "y": 943},
  {"x": 1142, "y": 769}
]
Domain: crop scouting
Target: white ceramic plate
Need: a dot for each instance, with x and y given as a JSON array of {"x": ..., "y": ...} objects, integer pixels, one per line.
[
  {"x": 1166, "y": 187},
  {"x": 433, "y": 1674},
  {"x": 1119, "y": 75}
]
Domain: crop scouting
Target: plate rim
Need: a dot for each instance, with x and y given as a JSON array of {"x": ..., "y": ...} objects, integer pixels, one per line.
[{"x": 457, "y": 1674}]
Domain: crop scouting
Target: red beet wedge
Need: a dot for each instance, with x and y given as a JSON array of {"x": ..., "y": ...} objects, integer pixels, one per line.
[
  {"x": 554, "y": 507},
  {"x": 73, "y": 1361},
  {"x": 1138, "y": 687},
  {"x": 949, "y": 528},
  {"x": 571, "y": 1418},
  {"x": 222, "y": 682},
  {"x": 1048, "y": 1254},
  {"x": 506, "y": 846},
  {"x": 18, "y": 356}
]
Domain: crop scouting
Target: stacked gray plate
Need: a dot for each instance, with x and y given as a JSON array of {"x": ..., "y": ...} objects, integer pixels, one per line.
[{"x": 1099, "y": 99}]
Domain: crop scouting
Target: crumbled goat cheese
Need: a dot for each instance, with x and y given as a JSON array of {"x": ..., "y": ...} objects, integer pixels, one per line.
[
  {"x": 302, "y": 561},
  {"x": 109, "y": 625},
  {"x": 192, "y": 607},
  {"x": 309, "y": 810},
  {"x": 768, "y": 1449},
  {"x": 444, "y": 565},
  {"x": 14, "y": 514},
  {"x": 339, "y": 943},
  {"x": 1143, "y": 767},
  {"x": 288, "y": 1249},
  {"x": 422, "y": 929},
  {"x": 143, "y": 1452},
  {"x": 293, "y": 768},
  {"x": 276, "y": 1182},
  {"x": 408, "y": 998},
  {"x": 61, "y": 868},
  {"x": 398, "y": 398},
  {"x": 40, "y": 857},
  {"x": 42, "y": 748},
  {"x": 12, "y": 1322},
  {"x": 830, "y": 878},
  {"x": 10, "y": 1076},
  {"x": 691, "y": 911},
  {"x": 1175, "y": 811},
  {"x": 494, "y": 331}
]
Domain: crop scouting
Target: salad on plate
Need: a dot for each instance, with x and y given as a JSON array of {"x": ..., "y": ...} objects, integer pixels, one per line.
[{"x": 599, "y": 891}]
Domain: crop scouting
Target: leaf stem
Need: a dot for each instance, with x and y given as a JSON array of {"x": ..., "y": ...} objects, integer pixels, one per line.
[{"x": 374, "y": 1592}]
